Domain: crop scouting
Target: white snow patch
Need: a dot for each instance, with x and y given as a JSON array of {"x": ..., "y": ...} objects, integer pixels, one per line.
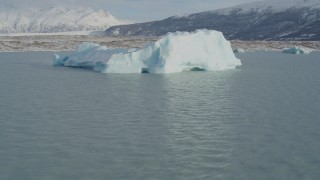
[{"x": 176, "y": 52}]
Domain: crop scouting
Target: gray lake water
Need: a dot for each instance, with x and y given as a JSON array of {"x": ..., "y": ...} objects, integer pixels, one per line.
[{"x": 260, "y": 121}]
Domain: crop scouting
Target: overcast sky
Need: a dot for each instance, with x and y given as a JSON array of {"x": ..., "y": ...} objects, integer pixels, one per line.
[{"x": 138, "y": 10}]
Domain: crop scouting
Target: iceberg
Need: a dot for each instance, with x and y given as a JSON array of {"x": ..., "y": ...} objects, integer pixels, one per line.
[
  {"x": 206, "y": 50},
  {"x": 296, "y": 50}
]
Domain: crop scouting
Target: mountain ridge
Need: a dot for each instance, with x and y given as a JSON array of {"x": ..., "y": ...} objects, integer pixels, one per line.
[
  {"x": 261, "y": 20},
  {"x": 53, "y": 19}
]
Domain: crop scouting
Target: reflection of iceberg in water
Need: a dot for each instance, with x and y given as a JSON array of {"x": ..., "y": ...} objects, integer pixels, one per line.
[
  {"x": 200, "y": 113},
  {"x": 176, "y": 52}
]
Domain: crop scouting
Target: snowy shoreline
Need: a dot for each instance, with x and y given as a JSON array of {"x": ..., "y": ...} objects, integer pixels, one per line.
[{"x": 70, "y": 42}]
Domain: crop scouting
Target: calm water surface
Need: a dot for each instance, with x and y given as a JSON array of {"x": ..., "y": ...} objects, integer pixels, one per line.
[{"x": 260, "y": 121}]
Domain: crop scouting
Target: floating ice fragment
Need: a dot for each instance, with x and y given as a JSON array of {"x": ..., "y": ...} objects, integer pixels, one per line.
[
  {"x": 239, "y": 50},
  {"x": 296, "y": 50}
]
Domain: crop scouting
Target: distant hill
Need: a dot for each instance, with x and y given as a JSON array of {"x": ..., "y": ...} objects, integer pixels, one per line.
[
  {"x": 54, "y": 19},
  {"x": 262, "y": 20}
]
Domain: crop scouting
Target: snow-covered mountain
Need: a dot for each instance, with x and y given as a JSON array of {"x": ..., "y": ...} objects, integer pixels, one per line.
[
  {"x": 261, "y": 20},
  {"x": 54, "y": 19}
]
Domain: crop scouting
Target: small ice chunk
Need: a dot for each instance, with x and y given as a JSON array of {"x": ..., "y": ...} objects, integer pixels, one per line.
[
  {"x": 296, "y": 50},
  {"x": 239, "y": 50}
]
